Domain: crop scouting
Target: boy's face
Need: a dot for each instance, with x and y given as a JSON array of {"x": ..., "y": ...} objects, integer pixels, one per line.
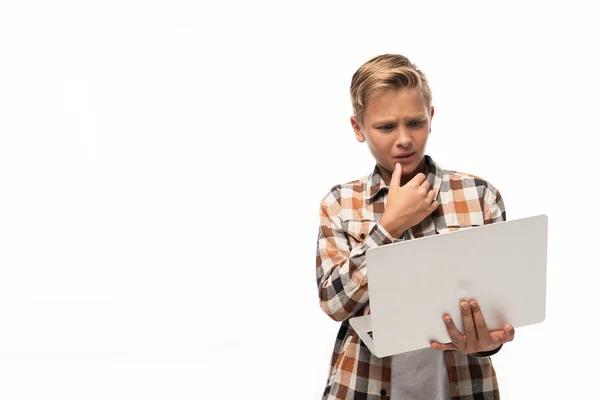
[{"x": 396, "y": 125}]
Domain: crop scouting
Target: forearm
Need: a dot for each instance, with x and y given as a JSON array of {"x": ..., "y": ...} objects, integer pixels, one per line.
[{"x": 342, "y": 274}]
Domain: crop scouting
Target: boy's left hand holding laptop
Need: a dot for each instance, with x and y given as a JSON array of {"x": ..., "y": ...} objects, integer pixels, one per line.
[{"x": 477, "y": 337}]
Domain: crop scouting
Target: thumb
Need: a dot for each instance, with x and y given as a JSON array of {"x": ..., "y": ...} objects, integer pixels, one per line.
[{"x": 396, "y": 175}]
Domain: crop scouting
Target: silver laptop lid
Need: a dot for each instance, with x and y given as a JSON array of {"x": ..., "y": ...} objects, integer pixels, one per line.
[{"x": 413, "y": 283}]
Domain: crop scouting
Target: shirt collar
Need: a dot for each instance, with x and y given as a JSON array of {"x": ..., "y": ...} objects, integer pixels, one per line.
[{"x": 375, "y": 183}]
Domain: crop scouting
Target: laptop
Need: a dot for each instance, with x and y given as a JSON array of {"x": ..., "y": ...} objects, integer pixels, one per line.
[{"x": 413, "y": 283}]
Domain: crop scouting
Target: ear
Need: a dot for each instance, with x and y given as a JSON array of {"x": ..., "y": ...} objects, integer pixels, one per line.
[
  {"x": 357, "y": 129},
  {"x": 431, "y": 112}
]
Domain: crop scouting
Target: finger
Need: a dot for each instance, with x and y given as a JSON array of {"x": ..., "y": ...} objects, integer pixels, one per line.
[
  {"x": 430, "y": 196},
  {"x": 430, "y": 199},
  {"x": 418, "y": 179},
  {"x": 457, "y": 338},
  {"x": 396, "y": 175},
  {"x": 433, "y": 206},
  {"x": 483, "y": 333},
  {"x": 470, "y": 332},
  {"x": 509, "y": 333},
  {"x": 442, "y": 346},
  {"x": 426, "y": 185}
]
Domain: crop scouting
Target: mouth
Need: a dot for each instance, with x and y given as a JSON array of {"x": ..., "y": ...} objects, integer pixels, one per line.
[{"x": 404, "y": 157}]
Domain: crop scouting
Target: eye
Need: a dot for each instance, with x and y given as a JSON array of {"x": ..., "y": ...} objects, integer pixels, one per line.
[
  {"x": 386, "y": 127},
  {"x": 415, "y": 124}
]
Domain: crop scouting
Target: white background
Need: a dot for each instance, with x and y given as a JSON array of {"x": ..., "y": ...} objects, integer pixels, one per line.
[{"x": 161, "y": 166}]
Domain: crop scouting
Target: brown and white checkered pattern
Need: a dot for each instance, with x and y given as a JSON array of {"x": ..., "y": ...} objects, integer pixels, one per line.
[{"x": 349, "y": 216}]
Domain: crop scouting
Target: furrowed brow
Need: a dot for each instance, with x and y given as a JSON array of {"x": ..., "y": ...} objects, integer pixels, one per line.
[
  {"x": 392, "y": 121},
  {"x": 386, "y": 121},
  {"x": 417, "y": 117}
]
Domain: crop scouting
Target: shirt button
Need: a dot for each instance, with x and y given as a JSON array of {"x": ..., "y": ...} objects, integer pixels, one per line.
[
  {"x": 362, "y": 235},
  {"x": 383, "y": 392}
]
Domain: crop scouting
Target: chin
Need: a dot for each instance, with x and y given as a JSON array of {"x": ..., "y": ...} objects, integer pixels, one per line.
[
  {"x": 408, "y": 170},
  {"x": 406, "y": 167},
  {"x": 410, "y": 167}
]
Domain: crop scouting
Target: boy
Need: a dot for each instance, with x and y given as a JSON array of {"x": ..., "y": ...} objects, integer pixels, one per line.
[{"x": 407, "y": 195}]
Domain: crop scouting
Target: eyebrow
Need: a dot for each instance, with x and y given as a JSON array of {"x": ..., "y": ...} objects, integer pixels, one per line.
[{"x": 417, "y": 117}]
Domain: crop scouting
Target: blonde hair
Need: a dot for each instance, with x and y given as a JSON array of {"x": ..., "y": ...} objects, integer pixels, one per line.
[{"x": 387, "y": 71}]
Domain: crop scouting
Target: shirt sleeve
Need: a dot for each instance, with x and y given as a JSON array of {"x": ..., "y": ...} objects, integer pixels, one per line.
[
  {"x": 493, "y": 207},
  {"x": 341, "y": 269},
  {"x": 493, "y": 212}
]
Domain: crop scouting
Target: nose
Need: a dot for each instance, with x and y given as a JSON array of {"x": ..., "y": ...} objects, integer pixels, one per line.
[{"x": 403, "y": 139}]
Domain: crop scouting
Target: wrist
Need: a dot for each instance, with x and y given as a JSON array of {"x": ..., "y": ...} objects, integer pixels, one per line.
[
  {"x": 396, "y": 230},
  {"x": 487, "y": 353}
]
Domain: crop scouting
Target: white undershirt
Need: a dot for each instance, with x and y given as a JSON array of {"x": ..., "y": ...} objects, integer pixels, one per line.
[{"x": 419, "y": 374}]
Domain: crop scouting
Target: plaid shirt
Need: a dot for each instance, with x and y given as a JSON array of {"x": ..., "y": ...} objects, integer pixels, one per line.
[{"x": 349, "y": 217}]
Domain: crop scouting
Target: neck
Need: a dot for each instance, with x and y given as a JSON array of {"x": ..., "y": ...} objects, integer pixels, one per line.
[{"x": 422, "y": 168}]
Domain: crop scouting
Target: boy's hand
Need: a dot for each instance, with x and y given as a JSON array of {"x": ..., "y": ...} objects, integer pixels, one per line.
[
  {"x": 407, "y": 205},
  {"x": 477, "y": 337}
]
